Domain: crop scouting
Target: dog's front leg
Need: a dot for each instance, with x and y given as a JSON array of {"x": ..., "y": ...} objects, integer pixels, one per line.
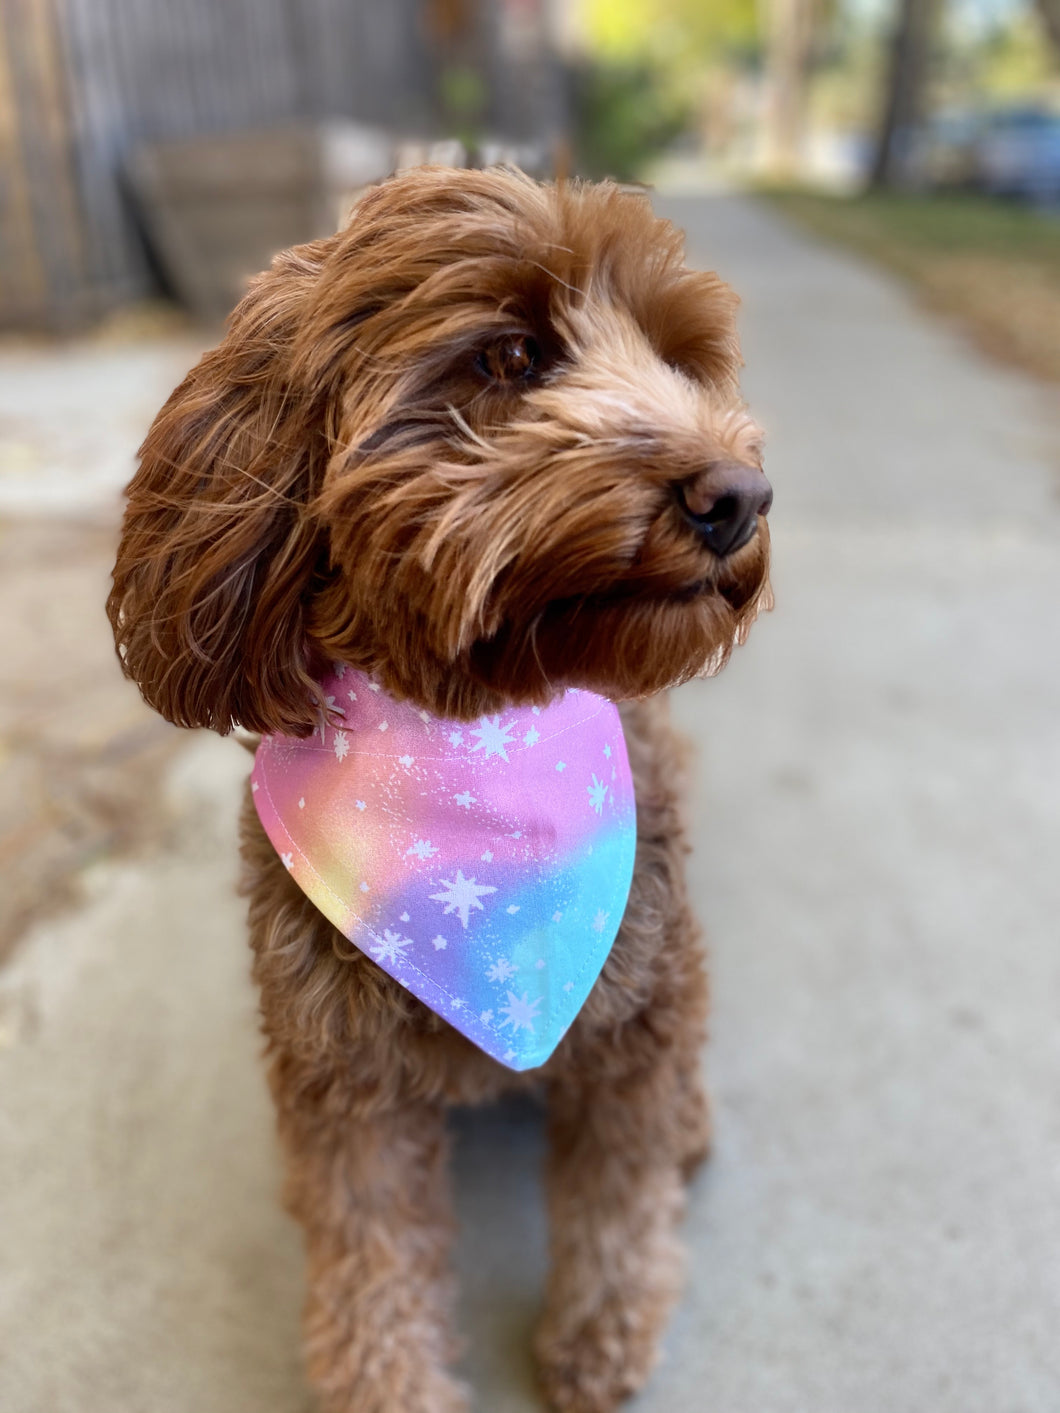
[
  {"x": 368, "y": 1181},
  {"x": 622, "y": 1144}
]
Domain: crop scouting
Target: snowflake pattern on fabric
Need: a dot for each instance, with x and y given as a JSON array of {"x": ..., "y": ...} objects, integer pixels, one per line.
[
  {"x": 520, "y": 1012},
  {"x": 493, "y": 737},
  {"x": 504, "y": 833},
  {"x": 461, "y": 895},
  {"x": 423, "y": 849},
  {"x": 392, "y": 947}
]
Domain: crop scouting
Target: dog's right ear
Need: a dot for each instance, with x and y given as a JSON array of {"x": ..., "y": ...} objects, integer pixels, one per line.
[{"x": 218, "y": 549}]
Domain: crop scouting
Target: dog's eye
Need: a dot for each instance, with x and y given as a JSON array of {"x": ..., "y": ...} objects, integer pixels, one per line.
[{"x": 510, "y": 359}]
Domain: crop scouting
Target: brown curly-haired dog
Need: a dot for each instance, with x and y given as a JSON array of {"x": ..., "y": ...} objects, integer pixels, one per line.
[{"x": 486, "y": 443}]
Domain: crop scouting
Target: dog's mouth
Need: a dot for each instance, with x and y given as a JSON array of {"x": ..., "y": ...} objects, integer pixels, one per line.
[
  {"x": 630, "y": 594},
  {"x": 736, "y": 578},
  {"x": 737, "y": 593},
  {"x": 701, "y": 588},
  {"x": 630, "y": 640},
  {"x": 732, "y": 586}
]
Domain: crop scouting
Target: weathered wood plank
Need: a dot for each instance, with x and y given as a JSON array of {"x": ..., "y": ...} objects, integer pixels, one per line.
[{"x": 84, "y": 82}]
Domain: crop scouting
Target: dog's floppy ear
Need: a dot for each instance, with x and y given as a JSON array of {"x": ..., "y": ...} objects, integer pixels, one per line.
[{"x": 218, "y": 549}]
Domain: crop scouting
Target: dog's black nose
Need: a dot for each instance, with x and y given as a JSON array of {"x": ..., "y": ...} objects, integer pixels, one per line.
[{"x": 724, "y": 502}]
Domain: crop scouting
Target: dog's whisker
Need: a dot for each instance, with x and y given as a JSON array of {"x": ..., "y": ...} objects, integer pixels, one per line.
[{"x": 555, "y": 278}]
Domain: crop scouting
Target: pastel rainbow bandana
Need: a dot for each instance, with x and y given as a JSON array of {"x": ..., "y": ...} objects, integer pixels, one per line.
[{"x": 485, "y": 867}]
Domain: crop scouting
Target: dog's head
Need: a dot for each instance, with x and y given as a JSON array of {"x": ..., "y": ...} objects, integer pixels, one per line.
[{"x": 485, "y": 443}]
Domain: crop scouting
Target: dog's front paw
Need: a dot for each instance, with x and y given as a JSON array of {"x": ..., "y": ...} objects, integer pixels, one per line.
[{"x": 592, "y": 1366}]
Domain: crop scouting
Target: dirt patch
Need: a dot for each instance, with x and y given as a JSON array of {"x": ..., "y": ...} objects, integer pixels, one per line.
[
  {"x": 81, "y": 756},
  {"x": 1013, "y": 310}
]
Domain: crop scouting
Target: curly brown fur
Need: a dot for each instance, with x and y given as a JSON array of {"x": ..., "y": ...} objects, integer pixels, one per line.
[{"x": 450, "y": 446}]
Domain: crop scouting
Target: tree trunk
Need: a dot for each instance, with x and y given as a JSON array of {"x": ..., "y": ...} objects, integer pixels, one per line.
[
  {"x": 903, "y": 107},
  {"x": 1049, "y": 10},
  {"x": 790, "y": 46}
]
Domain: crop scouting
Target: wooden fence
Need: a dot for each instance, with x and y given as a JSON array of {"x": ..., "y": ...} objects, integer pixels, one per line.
[{"x": 83, "y": 81}]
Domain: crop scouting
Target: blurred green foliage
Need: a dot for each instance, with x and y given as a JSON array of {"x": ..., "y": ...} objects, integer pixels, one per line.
[
  {"x": 653, "y": 61},
  {"x": 1008, "y": 61},
  {"x": 624, "y": 114},
  {"x": 672, "y": 33},
  {"x": 464, "y": 97},
  {"x": 658, "y": 66}
]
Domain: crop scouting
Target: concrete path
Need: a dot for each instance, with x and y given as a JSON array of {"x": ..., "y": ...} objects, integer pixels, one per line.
[{"x": 876, "y": 829}]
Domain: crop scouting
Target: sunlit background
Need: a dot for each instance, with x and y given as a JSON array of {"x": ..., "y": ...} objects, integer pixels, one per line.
[
  {"x": 875, "y": 809},
  {"x": 155, "y": 148}
]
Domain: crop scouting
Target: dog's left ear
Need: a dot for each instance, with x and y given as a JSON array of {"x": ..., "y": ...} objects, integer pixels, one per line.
[{"x": 218, "y": 549}]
